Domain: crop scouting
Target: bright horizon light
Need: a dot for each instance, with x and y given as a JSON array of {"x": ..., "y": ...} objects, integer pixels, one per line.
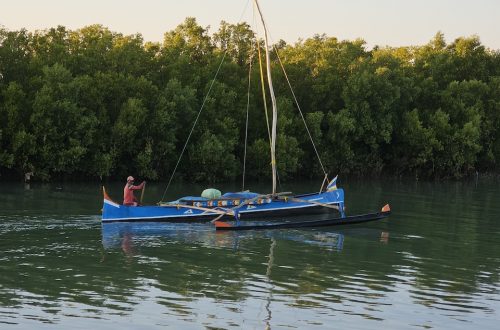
[{"x": 382, "y": 22}]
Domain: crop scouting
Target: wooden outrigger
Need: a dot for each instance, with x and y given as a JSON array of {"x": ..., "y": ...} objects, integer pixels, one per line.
[{"x": 348, "y": 220}]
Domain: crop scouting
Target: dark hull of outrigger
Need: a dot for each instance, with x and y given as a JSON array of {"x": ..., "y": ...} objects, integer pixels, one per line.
[{"x": 219, "y": 225}]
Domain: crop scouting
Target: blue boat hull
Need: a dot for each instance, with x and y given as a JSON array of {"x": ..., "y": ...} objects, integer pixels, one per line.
[{"x": 113, "y": 212}]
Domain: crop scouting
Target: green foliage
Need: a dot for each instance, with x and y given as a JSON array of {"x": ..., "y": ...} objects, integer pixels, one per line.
[
  {"x": 259, "y": 159},
  {"x": 97, "y": 103},
  {"x": 340, "y": 155},
  {"x": 369, "y": 99},
  {"x": 210, "y": 160},
  {"x": 237, "y": 40},
  {"x": 416, "y": 144},
  {"x": 62, "y": 129}
]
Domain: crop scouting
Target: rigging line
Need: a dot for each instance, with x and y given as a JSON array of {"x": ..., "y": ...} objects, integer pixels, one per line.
[
  {"x": 194, "y": 125},
  {"x": 273, "y": 97},
  {"x": 264, "y": 93},
  {"x": 300, "y": 111},
  {"x": 246, "y": 125},
  {"x": 298, "y": 106},
  {"x": 262, "y": 83},
  {"x": 263, "y": 88},
  {"x": 278, "y": 178},
  {"x": 201, "y": 109}
]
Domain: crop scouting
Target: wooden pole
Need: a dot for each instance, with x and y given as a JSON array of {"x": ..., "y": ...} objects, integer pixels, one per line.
[{"x": 142, "y": 192}]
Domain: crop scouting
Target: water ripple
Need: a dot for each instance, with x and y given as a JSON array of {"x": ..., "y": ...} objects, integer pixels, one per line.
[{"x": 425, "y": 267}]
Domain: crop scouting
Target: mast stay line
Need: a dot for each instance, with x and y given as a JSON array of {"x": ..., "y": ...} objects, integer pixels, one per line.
[{"x": 273, "y": 99}]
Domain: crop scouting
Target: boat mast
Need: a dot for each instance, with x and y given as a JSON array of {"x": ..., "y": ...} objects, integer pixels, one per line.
[{"x": 273, "y": 99}]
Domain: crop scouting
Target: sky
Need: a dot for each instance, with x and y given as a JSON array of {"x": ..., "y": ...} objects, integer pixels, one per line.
[{"x": 378, "y": 22}]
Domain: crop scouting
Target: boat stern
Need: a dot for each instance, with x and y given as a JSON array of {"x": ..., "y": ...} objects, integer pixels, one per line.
[{"x": 110, "y": 209}]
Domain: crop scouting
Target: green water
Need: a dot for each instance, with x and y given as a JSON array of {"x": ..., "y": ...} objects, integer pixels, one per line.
[{"x": 435, "y": 263}]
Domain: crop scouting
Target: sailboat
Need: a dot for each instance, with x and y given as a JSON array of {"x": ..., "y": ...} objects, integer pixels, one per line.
[{"x": 246, "y": 205}]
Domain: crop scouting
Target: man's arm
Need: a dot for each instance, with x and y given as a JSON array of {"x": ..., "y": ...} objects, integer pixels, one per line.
[{"x": 139, "y": 187}]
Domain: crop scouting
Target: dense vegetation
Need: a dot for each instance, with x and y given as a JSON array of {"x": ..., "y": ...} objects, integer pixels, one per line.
[{"x": 94, "y": 103}]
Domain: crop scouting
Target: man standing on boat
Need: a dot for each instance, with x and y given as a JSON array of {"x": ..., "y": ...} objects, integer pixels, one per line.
[{"x": 128, "y": 192}]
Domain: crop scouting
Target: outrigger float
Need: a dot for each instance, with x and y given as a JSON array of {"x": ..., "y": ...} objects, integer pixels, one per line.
[{"x": 346, "y": 220}]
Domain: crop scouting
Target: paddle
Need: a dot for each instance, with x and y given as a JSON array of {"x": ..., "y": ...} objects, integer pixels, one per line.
[{"x": 142, "y": 192}]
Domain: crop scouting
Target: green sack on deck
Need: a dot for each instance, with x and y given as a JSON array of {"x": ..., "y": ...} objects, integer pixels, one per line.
[{"x": 211, "y": 193}]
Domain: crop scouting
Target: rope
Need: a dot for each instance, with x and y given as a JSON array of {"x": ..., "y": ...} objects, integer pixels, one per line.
[
  {"x": 273, "y": 97},
  {"x": 194, "y": 125},
  {"x": 246, "y": 125},
  {"x": 201, "y": 109},
  {"x": 264, "y": 92},
  {"x": 300, "y": 111}
]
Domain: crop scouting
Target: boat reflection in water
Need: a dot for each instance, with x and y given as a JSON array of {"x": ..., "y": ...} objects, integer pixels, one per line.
[{"x": 127, "y": 236}]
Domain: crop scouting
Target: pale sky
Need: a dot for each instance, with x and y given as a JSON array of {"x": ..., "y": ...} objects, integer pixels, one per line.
[{"x": 378, "y": 22}]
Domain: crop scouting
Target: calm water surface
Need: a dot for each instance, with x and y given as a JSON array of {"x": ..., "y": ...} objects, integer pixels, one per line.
[{"x": 434, "y": 264}]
